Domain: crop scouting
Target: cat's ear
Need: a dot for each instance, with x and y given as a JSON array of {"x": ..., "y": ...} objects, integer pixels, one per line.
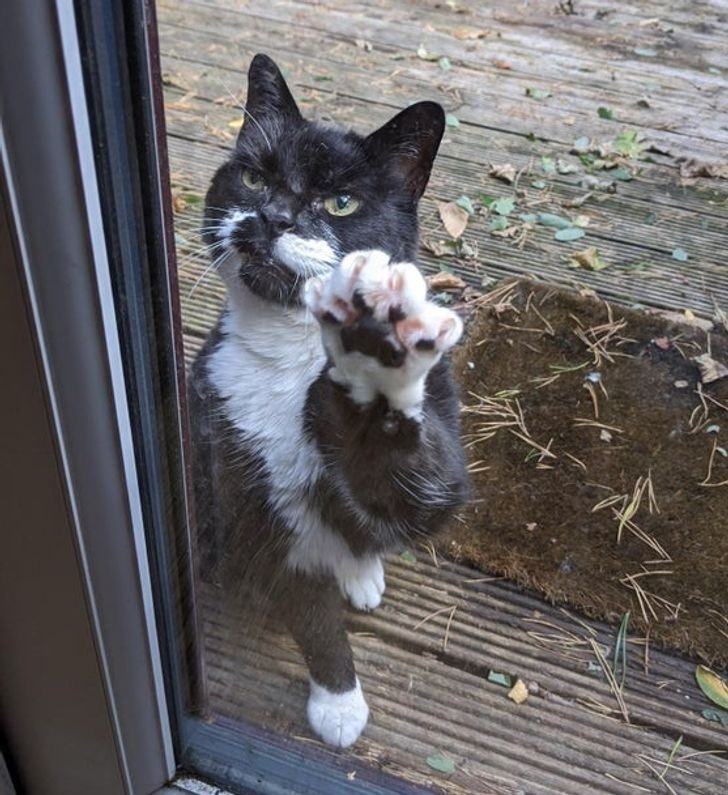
[
  {"x": 268, "y": 94},
  {"x": 408, "y": 144}
]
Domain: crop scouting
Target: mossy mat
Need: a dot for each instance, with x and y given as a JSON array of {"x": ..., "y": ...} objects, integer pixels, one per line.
[{"x": 598, "y": 450}]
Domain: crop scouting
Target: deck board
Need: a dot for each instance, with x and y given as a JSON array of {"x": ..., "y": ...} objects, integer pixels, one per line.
[{"x": 424, "y": 697}]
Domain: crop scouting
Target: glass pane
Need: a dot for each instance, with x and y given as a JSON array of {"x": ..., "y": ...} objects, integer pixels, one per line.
[{"x": 324, "y": 421}]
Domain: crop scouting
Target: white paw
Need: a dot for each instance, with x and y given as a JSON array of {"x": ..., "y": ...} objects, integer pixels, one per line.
[
  {"x": 337, "y": 718},
  {"x": 361, "y": 581},
  {"x": 393, "y": 356}
]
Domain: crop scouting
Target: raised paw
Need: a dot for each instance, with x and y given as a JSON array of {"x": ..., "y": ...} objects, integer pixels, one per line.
[
  {"x": 337, "y": 718},
  {"x": 380, "y": 330},
  {"x": 361, "y": 581}
]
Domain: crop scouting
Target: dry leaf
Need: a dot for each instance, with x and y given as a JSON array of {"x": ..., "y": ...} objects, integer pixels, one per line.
[
  {"x": 712, "y": 685},
  {"x": 605, "y": 436},
  {"x": 464, "y": 34},
  {"x": 505, "y": 173},
  {"x": 519, "y": 692},
  {"x": 710, "y": 369},
  {"x": 500, "y": 64},
  {"x": 697, "y": 168},
  {"x": 453, "y": 217},
  {"x": 589, "y": 258},
  {"x": 445, "y": 281}
]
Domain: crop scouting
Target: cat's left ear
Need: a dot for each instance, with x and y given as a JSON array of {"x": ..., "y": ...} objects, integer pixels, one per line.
[
  {"x": 268, "y": 95},
  {"x": 409, "y": 143}
]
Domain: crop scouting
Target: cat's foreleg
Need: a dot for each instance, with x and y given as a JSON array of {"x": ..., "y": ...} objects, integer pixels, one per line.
[{"x": 312, "y": 608}]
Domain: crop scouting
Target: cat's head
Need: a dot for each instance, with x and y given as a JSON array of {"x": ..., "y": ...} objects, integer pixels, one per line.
[{"x": 296, "y": 196}]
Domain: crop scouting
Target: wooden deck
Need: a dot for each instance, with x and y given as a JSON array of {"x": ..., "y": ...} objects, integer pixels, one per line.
[{"x": 660, "y": 67}]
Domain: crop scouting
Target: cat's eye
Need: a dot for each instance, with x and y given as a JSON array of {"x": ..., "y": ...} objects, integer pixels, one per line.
[
  {"x": 253, "y": 179},
  {"x": 341, "y": 204}
]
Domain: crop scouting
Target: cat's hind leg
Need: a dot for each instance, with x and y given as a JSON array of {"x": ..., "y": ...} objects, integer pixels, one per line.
[{"x": 312, "y": 608}]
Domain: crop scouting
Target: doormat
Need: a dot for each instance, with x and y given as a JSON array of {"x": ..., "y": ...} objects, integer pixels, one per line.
[{"x": 598, "y": 448}]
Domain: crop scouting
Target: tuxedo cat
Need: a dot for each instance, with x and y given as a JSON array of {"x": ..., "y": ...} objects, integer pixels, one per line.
[{"x": 324, "y": 417}]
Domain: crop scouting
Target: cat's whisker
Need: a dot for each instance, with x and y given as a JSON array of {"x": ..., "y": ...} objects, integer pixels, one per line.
[
  {"x": 213, "y": 266},
  {"x": 247, "y": 113}
]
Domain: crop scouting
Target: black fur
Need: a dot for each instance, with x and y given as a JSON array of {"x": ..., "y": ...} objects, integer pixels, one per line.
[{"x": 407, "y": 476}]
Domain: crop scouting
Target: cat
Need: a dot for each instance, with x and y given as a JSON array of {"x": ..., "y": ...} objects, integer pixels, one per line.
[{"x": 324, "y": 418}]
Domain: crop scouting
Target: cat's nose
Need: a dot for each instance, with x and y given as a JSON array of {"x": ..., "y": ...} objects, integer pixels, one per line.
[{"x": 279, "y": 215}]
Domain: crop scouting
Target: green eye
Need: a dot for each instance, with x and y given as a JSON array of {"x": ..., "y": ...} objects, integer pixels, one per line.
[
  {"x": 253, "y": 180},
  {"x": 342, "y": 204}
]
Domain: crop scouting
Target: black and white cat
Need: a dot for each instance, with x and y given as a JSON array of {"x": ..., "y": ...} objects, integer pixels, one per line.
[{"x": 324, "y": 417}]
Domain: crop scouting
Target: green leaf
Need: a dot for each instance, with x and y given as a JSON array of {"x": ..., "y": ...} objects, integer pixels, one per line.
[
  {"x": 717, "y": 715},
  {"x": 451, "y": 120},
  {"x": 567, "y": 235},
  {"x": 539, "y": 184},
  {"x": 424, "y": 55},
  {"x": 466, "y": 204},
  {"x": 498, "y": 224},
  {"x": 486, "y": 200},
  {"x": 651, "y": 218},
  {"x": 548, "y": 165},
  {"x": 408, "y": 557},
  {"x": 621, "y": 174},
  {"x": 712, "y": 685},
  {"x": 605, "y": 113},
  {"x": 444, "y": 63},
  {"x": 581, "y": 144},
  {"x": 528, "y": 218},
  {"x": 627, "y": 143},
  {"x": 645, "y": 52},
  {"x": 538, "y": 93},
  {"x": 441, "y": 763},
  {"x": 555, "y": 221},
  {"x": 503, "y": 206},
  {"x": 680, "y": 255},
  {"x": 498, "y": 678}
]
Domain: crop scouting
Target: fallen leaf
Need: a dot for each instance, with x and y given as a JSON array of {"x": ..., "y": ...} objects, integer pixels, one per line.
[
  {"x": 503, "y": 206},
  {"x": 466, "y": 204},
  {"x": 465, "y": 34},
  {"x": 453, "y": 217},
  {"x": 548, "y": 165},
  {"x": 556, "y": 221},
  {"x": 445, "y": 281},
  {"x": 444, "y": 63},
  {"x": 567, "y": 235},
  {"x": 629, "y": 143},
  {"x": 680, "y": 255},
  {"x": 408, "y": 557},
  {"x": 605, "y": 113},
  {"x": 578, "y": 201},
  {"x": 697, "y": 168},
  {"x": 710, "y": 369},
  {"x": 564, "y": 167},
  {"x": 539, "y": 184},
  {"x": 681, "y": 384},
  {"x": 604, "y": 435},
  {"x": 622, "y": 174},
  {"x": 498, "y": 678},
  {"x": 451, "y": 120},
  {"x": 441, "y": 763},
  {"x": 712, "y": 685},
  {"x": 505, "y": 173},
  {"x": 582, "y": 221},
  {"x": 500, "y": 64},
  {"x": 424, "y": 55},
  {"x": 538, "y": 93},
  {"x": 363, "y": 44},
  {"x": 645, "y": 52},
  {"x": 717, "y": 715},
  {"x": 589, "y": 258},
  {"x": 519, "y": 692},
  {"x": 498, "y": 224}
]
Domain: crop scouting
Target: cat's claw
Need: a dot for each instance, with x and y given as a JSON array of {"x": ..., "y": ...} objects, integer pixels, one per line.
[
  {"x": 379, "y": 329},
  {"x": 338, "y": 718},
  {"x": 362, "y": 583}
]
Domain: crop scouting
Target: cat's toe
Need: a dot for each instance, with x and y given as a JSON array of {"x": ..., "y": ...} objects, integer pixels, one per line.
[
  {"x": 338, "y": 718},
  {"x": 435, "y": 328}
]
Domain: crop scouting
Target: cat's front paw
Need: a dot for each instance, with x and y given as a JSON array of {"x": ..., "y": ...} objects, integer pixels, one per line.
[
  {"x": 379, "y": 329},
  {"x": 362, "y": 582},
  {"x": 337, "y": 718}
]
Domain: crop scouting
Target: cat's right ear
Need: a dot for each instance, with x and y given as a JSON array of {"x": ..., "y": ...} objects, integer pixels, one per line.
[{"x": 269, "y": 98}]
